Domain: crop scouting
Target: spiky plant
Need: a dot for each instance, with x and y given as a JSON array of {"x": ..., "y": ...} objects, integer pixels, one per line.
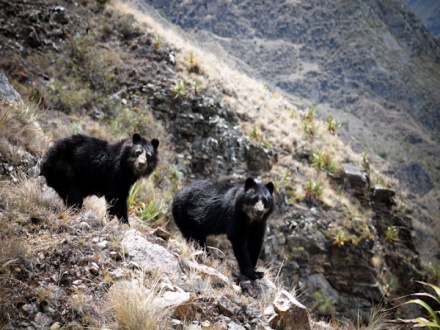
[{"x": 433, "y": 320}]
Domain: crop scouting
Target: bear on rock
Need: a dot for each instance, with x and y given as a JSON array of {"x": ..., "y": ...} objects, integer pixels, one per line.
[
  {"x": 79, "y": 166},
  {"x": 241, "y": 211}
]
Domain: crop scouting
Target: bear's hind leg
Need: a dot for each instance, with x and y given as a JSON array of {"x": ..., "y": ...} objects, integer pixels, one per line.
[
  {"x": 73, "y": 198},
  {"x": 70, "y": 194}
]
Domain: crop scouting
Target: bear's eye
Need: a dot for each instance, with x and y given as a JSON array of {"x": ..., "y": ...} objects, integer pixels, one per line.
[
  {"x": 264, "y": 202},
  {"x": 254, "y": 200},
  {"x": 137, "y": 153}
]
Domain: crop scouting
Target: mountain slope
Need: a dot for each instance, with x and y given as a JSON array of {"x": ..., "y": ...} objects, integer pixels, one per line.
[
  {"x": 372, "y": 65},
  {"x": 341, "y": 232},
  {"x": 429, "y": 12}
]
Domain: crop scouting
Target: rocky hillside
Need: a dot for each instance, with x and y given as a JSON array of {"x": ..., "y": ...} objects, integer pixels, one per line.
[
  {"x": 372, "y": 65},
  {"x": 429, "y": 13},
  {"x": 341, "y": 240}
]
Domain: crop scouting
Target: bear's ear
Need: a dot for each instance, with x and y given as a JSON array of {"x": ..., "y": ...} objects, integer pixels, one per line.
[
  {"x": 136, "y": 138},
  {"x": 249, "y": 183},
  {"x": 155, "y": 143},
  {"x": 270, "y": 187}
]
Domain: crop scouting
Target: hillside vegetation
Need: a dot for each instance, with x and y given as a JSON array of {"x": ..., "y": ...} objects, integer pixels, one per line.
[
  {"x": 371, "y": 65},
  {"x": 341, "y": 240}
]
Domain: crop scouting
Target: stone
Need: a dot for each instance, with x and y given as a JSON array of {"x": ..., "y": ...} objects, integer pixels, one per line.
[
  {"x": 259, "y": 158},
  {"x": 382, "y": 196},
  {"x": 42, "y": 321},
  {"x": 215, "y": 276},
  {"x": 7, "y": 93},
  {"x": 29, "y": 309},
  {"x": 227, "y": 307},
  {"x": 148, "y": 255},
  {"x": 162, "y": 233},
  {"x": 180, "y": 302},
  {"x": 291, "y": 313}
]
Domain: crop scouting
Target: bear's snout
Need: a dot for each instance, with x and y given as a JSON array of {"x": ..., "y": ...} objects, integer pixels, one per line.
[{"x": 259, "y": 209}]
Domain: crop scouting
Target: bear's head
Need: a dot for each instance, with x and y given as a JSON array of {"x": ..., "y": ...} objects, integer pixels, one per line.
[
  {"x": 258, "y": 199},
  {"x": 143, "y": 155}
]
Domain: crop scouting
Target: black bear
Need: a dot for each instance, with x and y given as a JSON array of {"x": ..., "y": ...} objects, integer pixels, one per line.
[
  {"x": 79, "y": 166},
  {"x": 239, "y": 210}
]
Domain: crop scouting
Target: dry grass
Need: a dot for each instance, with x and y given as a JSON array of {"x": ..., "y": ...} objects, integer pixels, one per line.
[
  {"x": 19, "y": 127},
  {"x": 30, "y": 196},
  {"x": 132, "y": 304}
]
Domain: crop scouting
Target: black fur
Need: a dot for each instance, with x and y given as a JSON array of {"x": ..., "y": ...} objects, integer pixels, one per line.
[
  {"x": 79, "y": 166},
  {"x": 239, "y": 210}
]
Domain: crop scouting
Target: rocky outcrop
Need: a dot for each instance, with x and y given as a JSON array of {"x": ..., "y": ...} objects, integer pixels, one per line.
[
  {"x": 208, "y": 136},
  {"x": 7, "y": 93}
]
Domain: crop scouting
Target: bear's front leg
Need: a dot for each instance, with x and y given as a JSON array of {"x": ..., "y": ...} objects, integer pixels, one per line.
[
  {"x": 118, "y": 208},
  {"x": 239, "y": 245}
]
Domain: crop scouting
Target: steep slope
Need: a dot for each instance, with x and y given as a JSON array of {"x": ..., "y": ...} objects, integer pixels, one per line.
[
  {"x": 372, "y": 65},
  {"x": 341, "y": 233}
]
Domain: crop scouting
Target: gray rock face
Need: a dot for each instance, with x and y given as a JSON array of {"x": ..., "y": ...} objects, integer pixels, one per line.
[
  {"x": 208, "y": 135},
  {"x": 148, "y": 255},
  {"x": 7, "y": 93}
]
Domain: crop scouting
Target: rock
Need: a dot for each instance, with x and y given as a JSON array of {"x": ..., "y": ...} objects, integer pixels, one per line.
[
  {"x": 357, "y": 181},
  {"x": 29, "y": 309},
  {"x": 116, "y": 255},
  {"x": 321, "y": 326},
  {"x": 180, "y": 302},
  {"x": 291, "y": 314},
  {"x": 162, "y": 233},
  {"x": 42, "y": 321},
  {"x": 382, "y": 196},
  {"x": 102, "y": 244},
  {"x": 215, "y": 276},
  {"x": 7, "y": 93},
  {"x": 94, "y": 269},
  {"x": 234, "y": 326},
  {"x": 55, "y": 326},
  {"x": 227, "y": 307},
  {"x": 259, "y": 158},
  {"x": 148, "y": 255}
]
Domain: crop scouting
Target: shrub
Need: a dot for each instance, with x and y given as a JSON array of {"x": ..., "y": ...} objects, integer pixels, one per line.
[
  {"x": 313, "y": 191},
  {"x": 332, "y": 125},
  {"x": 193, "y": 65},
  {"x": 255, "y": 133},
  {"x": 392, "y": 234},
  {"x": 383, "y": 154},
  {"x": 340, "y": 238},
  {"x": 323, "y": 162},
  {"x": 179, "y": 89}
]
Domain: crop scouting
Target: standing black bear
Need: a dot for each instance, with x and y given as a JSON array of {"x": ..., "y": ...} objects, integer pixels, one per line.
[
  {"x": 79, "y": 166},
  {"x": 241, "y": 211}
]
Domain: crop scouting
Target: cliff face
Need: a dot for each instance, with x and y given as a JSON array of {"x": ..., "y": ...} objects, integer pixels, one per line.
[{"x": 372, "y": 65}]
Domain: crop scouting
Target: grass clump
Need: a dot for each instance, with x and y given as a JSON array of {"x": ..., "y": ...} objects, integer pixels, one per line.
[
  {"x": 179, "y": 89},
  {"x": 133, "y": 304},
  {"x": 313, "y": 191},
  {"x": 432, "y": 320},
  {"x": 392, "y": 234},
  {"x": 340, "y": 238},
  {"x": 323, "y": 162}
]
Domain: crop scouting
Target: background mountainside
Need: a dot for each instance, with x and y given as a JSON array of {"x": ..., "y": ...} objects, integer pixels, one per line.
[
  {"x": 372, "y": 65},
  {"x": 429, "y": 12},
  {"x": 341, "y": 237}
]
